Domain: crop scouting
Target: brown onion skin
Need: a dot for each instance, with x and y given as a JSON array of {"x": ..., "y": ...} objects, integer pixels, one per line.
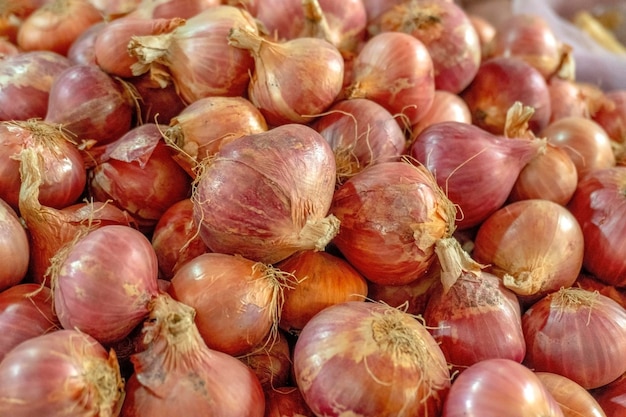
[
  {"x": 534, "y": 246},
  {"x": 26, "y": 81},
  {"x": 599, "y": 205},
  {"x": 498, "y": 84},
  {"x": 175, "y": 240},
  {"x": 551, "y": 175},
  {"x": 14, "y": 245},
  {"x": 573, "y": 325},
  {"x": 322, "y": 280},
  {"x": 271, "y": 362},
  {"x": 586, "y": 142},
  {"x": 266, "y": 196},
  {"x": 286, "y": 401},
  {"x": 395, "y": 70},
  {"x": 499, "y": 387},
  {"x": 573, "y": 399},
  {"x": 448, "y": 34},
  {"x": 90, "y": 104},
  {"x": 25, "y": 312},
  {"x": 68, "y": 366},
  {"x": 446, "y": 107},
  {"x": 346, "y": 351},
  {"x": 391, "y": 215},
  {"x": 612, "y": 117},
  {"x": 476, "y": 319}
]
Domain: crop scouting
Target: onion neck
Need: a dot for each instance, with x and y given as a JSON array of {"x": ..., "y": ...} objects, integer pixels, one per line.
[
  {"x": 245, "y": 38},
  {"x": 148, "y": 50},
  {"x": 107, "y": 393},
  {"x": 315, "y": 23},
  {"x": 318, "y": 233},
  {"x": 454, "y": 262}
]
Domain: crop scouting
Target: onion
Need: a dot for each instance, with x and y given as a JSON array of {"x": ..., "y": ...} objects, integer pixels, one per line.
[
  {"x": 612, "y": 117},
  {"x": 82, "y": 50},
  {"x": 361, "y": 132},
  {"x": 175, "y": 239},
  {"x": 188, "y": 131},
  {"x": 237, "y": 300},
  {"x": 139, "y": 175},
  {"x": 14, "y": 247},
  {"x": 90, "y": 104},
  {"x": 111, "y": 43},
  {"x": 167, "y": 9},
  {"x": 591, "y": 283},
  {"x": 369, "y": 359},
  {"x": 599, "y": 205},
  {"x": 446, "y": 107},
  {"x": 498, "y": 84},
  {"x": 448, "y": 34},
  {"x": 65, "y": 171},
  {"x": 612, "y": 397},
  {"x": 25, "y": 312},
  {"x": 391, "y": 215},
  {"x": 471, "y": 315},
  {"x": 322, "y": 280},
  {"x": 63, "y": 370},
  {"x": 271, "y": 362},
  {"x": 573, "y": 399},
  {"x": 293, "y": 81},
  {"x": 534, "y": 246},
  {"x": 479, "y": 175},
  {"x": 573, "y": 325},
  {"x": 103, "y": 282},
  {"x": 56, "y": 24},
  {"x": 114, "y": 9},
  {"x": 26, "y": 79},
  {"x": 375, "y": 8},
  {"x": 567, "y": 99},
  {"x": 528, "y": 37},
  {"x": 585, "y": 141},
  {"x": 197, "y": 54},
  {"x": 499, "y": 387},
  {"x": 177, "y": 374},
  {"x": 550, "y": 175},
  {"x": 12, "y": 15},
  {"x": 50, "y": 229},
  {"x": 154, "y": 102},
  {"x": 395, "y": 70},
  {"x": 484, "y": 29},
  {"x": 266, "y": 196},
  {"x": 286, "y": 402}
]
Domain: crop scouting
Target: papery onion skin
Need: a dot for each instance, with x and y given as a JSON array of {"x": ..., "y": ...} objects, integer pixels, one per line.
[
  {"x": 103, "y": 282},
  {"x": 369, "y": 359},
  {"x": 573, "y": 399},
  {"x": 271, "y": 362},
  {"x": 25, "y": 312},
  {"x": 534, "y": 246},
  {"x": 156, "y": 104},
  {"x": 446, "y": 107},
  {"x": 573, "y": 325},
  {"x": 59, "y": 371},
  {"x": 566, "y": 99},
  {"x": 235, "y": 299},
  {"x": 391, "y": 215},
  {"x": 599, "y": 205},
  {"x": 612, "y": 397},
  {"x": 266, "y": 196},
  {"x": 165, "y": 9},
  {"x": 612, "y": 117},
  {"x": 286, "y": 401},
  {"x": 14, "y": 247},
  {"x": 499, "y": 387},
  {"x": 26, "y": 81}
]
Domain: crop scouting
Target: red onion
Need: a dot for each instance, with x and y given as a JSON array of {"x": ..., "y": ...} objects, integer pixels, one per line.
[
  {"x": 573, "y": 399},
  {"x": 499, "y": 387},
  {"x": 573, "y": 325},
  {"x": 237, "y": 301},
  {"x": 175, "y": 239},
  {"x": 266, "y": 196},
  {"x": 498, "y": 84},
  {"x": 271, "y": 362},
  {"x": 395, "y": 70},
  {"x": 479, "y": 175},
  {"x": 286, "y": 402},
  {"x": 391, "y": 215},
  {"x": 612, "y": 397},
  {"x": 90, "y": 104},
  {"x": 591, "y": 283},
  {"x": 26, "y": 79},
  {"x": 25, "y": 312},
  {"x": 229, "y": 118},
  {"x": 103, "y": 282},
  {"x": 321, "y": 280},
  {"x": 448, "y": 34},
  {"x": 113, "y": 9},
  {"x": 370, "y": 360},
  {"x": 566, "y": 99},
  {"x": 177, "y": 374},
  {"x": 585, "y": 142},
  {"x": 56, "y": 24},
  {"x": 12, "y": 15},
  {"x": 446, "y": 107},
  {"x": 534, "y": 246},
  {"x": 139, "y": 175},
  {"x": 361, "y": 132},
  {"x": 484, "y": 29},
  {"x": 155, "y": 103},
  {"x": 375, "y": 8},
  {"x": 599, "y": 205},
  {"x": 14, "y": 247},
  {"x": 612, "y": 117},
  {"x": 159, "y": 9},
  {"x": 197, "y": 54},
  {"x": 65, "y": 171},
  {"x": 62, "y": 372},
  {"x": 293, "y": 81},
  {"x": 82, "y": 50}
]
